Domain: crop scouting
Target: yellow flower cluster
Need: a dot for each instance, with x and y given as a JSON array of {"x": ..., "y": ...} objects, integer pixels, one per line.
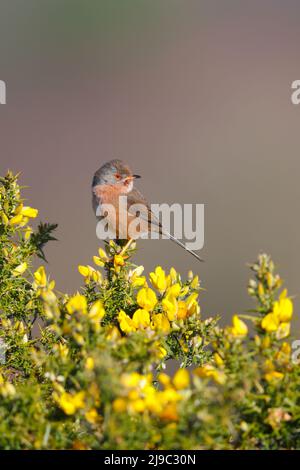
[
  {"x": 140, "y": 395},
  {"x": 135, "y": 277},
  {"x": 70, "y": 403},
  {"x": 20, "y": 216},
  {"x": 279, "y": 319},
  {"x": 238, "y": 328},
  {"x": 78, "y": 305},
  {"x": 208, "y": 371},
  {"x": 271, "y": 374},
  {"x": 90, "y": 274},
  {"x": 176, "y": 302},
  {"x": 20, "y": 269},
  {"x": 41, "y": 282}
]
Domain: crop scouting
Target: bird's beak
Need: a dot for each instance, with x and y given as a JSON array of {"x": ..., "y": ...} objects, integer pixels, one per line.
[{"x": 136, "y": 177}]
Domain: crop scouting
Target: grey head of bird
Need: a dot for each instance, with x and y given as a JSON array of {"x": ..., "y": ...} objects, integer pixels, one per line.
[{"x": 115, "y": 173}]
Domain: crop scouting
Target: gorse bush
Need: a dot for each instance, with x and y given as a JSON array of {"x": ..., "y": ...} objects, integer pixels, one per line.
[{"x": 86, "y": 371}]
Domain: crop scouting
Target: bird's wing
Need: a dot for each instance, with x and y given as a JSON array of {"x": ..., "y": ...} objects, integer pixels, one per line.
[{"x": 135, "y": 197}]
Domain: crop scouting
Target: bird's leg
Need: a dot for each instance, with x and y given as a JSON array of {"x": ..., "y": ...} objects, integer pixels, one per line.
[{"x": 125, "y": 248}]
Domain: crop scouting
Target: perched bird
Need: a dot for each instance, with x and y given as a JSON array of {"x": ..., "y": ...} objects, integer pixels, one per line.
[{"x": 115, "y": 179}]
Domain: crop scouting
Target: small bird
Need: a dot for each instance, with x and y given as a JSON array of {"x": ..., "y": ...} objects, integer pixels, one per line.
[{"x": 115, "y": 179}]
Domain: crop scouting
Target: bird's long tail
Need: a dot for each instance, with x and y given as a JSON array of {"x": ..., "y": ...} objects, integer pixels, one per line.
[
  {"x": 154, "y": 220},
  {"x": 183, "y": 246}
]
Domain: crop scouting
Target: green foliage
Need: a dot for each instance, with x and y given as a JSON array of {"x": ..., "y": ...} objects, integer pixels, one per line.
[{"x": 87, "y": 371}]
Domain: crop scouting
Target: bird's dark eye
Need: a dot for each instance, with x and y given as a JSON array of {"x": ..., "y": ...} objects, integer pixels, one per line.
[{"x": 117, "y": 176}]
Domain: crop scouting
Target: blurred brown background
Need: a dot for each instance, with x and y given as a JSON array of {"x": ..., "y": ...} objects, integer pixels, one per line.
[{"x": 195, "y": 95}]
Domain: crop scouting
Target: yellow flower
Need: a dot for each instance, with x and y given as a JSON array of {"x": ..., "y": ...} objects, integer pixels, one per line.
[
  {"x": 209, "y": 371},
  {"x": 78, "y": 338},
  {"x": 89, "y": 363},
  {"x": 113, "y": 334},
  {"x": 19, "y": 208},
  {"x": 260, "y": 289},
  {"x": 146, "y": 298},
  {"x": 181, "y": 379},
  {"x": 286, "y": 348},
  {"x": 103, "y": 255},
  {"x": 141, "y": 318},
  {"x": 239, "y": 327},
  {"x": 136, "y": 278},
  {"x": 162, "y": 352},
  {"x": 173, "y": 274},
  {"x": 20, "y": 269},
  {"x": 195, "y": 282},
  {"x": 283, "y": 355},
  {"x": 96, "y": 276},
  {"x": 29, "y": 212},
  {"x": 28, "y": 233},
  {"x": 131, "y": 380},
  {"x": 98, "y": 261},
  {"x": 40, "y": 277},
  {"x": 63, "y": 350},
  {"x": 16, "y": 220},
  {"x": 268, "y": 365},
  {"x": 126, "y": 323},
  {"x": 283, "y": 308},
  {"x": 185, "y": 290},
  {"x": 101, "y": 259},
  {"x": 192, "y": 304},
  {"x": 182, "y": 310},
  {"x": 164, "y": 379},
  {"x": 97, "y": 311},
  {"x": 4, "y": 218},
  {"x": 24, "y": 221},
  {"x": 170, "y": 413},
  {"x": 84, "y": 270},
  {"x": 174, "y": 290},
  {"x": 169, "y": 395},
  {"x": 265, "y": 342},
  {"x": 152, "y": 402},
  {"x": 278, "y": 320},
  {"x": 118, "y": 261},
  {"x": 70, "y": 403},
  {"x": 119, "y": 405},
  {"x": 170, "y": 307},
  {"x": 92, "y": 416},
  {"x": 51, "y": 285},
  {"x": 270, "y": 322},
  {"x": 138, "y": 405},
  {"x": 77, "y": 303},
  {"x": 274, "y": 376},
  {"x": 139, "y": 281},
  {"x": 218, "y": 360},
  {"x": 283, "y": 330},
  {"x": 90, "y": 274},
  {"x": 161, "y": 323},
  {"x": 158, "y": 279},
  {"x": 78, "y": 399}
]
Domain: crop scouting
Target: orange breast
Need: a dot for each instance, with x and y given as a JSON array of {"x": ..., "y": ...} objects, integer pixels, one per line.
[{"x": 108, "y": 195}]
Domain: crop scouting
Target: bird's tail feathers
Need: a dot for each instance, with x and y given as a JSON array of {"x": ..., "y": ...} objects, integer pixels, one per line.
[{"x": 183, "y": 246}]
